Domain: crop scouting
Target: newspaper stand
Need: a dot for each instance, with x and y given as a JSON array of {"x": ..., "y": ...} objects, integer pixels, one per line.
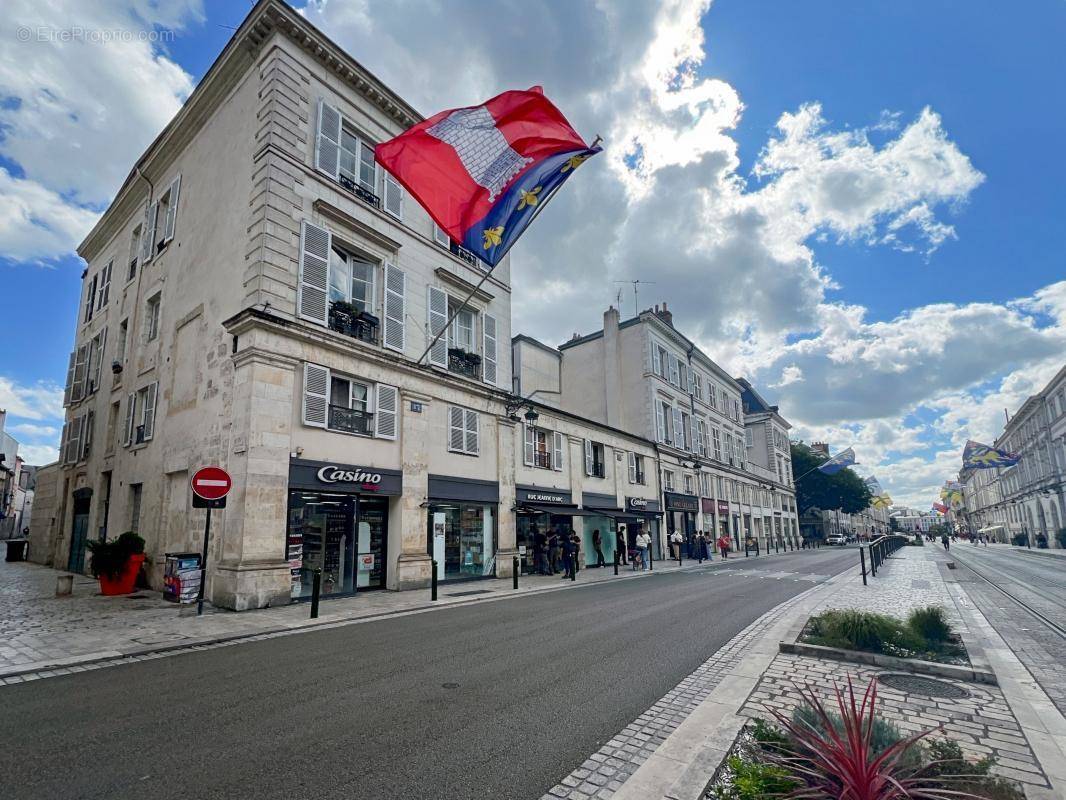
[{"x": 181, "y": 577}]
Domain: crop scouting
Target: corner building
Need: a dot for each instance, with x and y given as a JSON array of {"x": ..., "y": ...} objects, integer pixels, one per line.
[{"x": 258, "y": 296}]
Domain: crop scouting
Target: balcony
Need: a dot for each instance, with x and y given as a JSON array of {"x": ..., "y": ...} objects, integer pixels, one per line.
[
  {"x": 542, "y": 459},
  {"x": 460, "y": 251},
  {"x": 363, "y": 194},
  {"x": 138, "y": 437},
  {"x": 350, "y": 420},
  {"x": 464, "y": 363},
  {"x": 599, "y": 470},
  {"x": 345, "y": 318}
]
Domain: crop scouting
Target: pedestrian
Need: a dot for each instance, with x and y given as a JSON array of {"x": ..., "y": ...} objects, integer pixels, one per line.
[
  {"x": 643, "y": 543},
  {"x": 620, "y": 547},
  {"x": 597, "y": 545},
  {"x": 540, "y": 551},
  {"x": 555, "y": 548},
  {"x": 675, "y": 544},
  {"x": 708, "y": 545},
  {"x": 723, "y": 546},
  {"x": 944, "y": 541},
  {"x": 575, "y": 553},
  {"x": 567, "y": 547}
]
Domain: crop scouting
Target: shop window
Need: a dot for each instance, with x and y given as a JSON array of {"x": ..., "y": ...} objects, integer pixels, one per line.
[{"x": 469, "y": 546}]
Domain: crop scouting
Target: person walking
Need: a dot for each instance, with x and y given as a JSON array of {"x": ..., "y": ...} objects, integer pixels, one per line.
[
  {"x": 569, "y": 556},
  {"x": 555, "y": 551},
  {"x": 620, "y": 546},
  {"x": 945, "y": 541},
  {"x": 643, "y": 543},
  {"x": 723, "y": 546},
  {"x": 540, "y": 552},
  {"x": 708, "y": 545},
  {"x": 597, "y": 545},
  {"x": 675, "y": 544}
]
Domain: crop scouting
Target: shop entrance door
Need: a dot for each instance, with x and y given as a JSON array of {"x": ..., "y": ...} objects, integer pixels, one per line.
[
  {"x": 372, "y": 533},
  {"x": 79, "y": 532}
]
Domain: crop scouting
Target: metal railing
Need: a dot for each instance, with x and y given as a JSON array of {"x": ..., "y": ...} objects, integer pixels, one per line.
[
  {"x": 350, "y": 420},
  {"x": 879, "y": 551}
]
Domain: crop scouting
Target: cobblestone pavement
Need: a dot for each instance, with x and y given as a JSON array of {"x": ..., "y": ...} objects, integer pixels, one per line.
[
  {"x": 1041, "y": 585},
  {"x": 39, "y": 631},
  {"x": 604, "y": 772},
  {"x": 982, "y": 723}
]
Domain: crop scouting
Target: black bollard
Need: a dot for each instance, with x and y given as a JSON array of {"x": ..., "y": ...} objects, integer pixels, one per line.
[
  {"x": 616, "y": 562},
  {"x": 433, "y": 582},
  {"x": 316, "y": 591},
  {"x": 517, "y": 568},
  {"x": 651, "y": 560},
  {"x": 862, "y": 561}
]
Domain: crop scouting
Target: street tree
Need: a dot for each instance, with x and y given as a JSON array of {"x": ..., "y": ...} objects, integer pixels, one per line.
[{"x": 844, "y": 491}]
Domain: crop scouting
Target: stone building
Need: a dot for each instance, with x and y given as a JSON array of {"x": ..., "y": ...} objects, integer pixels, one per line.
[
  {"x": 259, "y": 296},
  {"x": 644, "y": 376}
]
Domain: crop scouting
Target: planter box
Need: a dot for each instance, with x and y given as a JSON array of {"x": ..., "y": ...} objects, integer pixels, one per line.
[{"x": 126, "y": 581}]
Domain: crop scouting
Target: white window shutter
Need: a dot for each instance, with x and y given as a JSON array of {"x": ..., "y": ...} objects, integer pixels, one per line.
[
  {"x": 70, "y": 378},
  {"x": 675, "y": 378},
  {"x": 530, "y": 444},
  {"x": 489, "y": 359},
  {"x": 557, "y": 460},
  {"x": 660, "y": 421},
  {"x": 656, "y": 360},
  {"x": 149, "y": 410},
  {"x": 387, "y": 412},
  {"x": 441, "y": 237},
  {"x": 328, "y": 140},
  {"x": 87, "y": 434},
  {"x": 437, "y": 306},
  {"x": 172, "y": 210},
  {"x": 131, "y": 410},
  {"x": 395, "y": 337},
  {"x": 392, "y": 195},
  {"x": 456, "y": 429},
  {"x": 315, "y": 244},
  {"x": 63, "y": 439},
  {"x": 588, "y": 457},
  {"x": 316, "y": 395},
  {"x": 679, "y": 431},
  {"x": 81, "y": 366},
  {"x": 632, "y": 467},
  {"x": 74, "y": 441},
  {"x": 473, "y": 432},
  {"x": 148, "y": 232}
]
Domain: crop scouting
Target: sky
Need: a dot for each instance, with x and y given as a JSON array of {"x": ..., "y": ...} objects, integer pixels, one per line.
[{"x": 857, "y": 207}]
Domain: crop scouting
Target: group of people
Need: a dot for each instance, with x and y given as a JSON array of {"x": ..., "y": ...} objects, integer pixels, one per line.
[
  {"x": 557, "y": 551},
  {"x": 700, "y": 544}
]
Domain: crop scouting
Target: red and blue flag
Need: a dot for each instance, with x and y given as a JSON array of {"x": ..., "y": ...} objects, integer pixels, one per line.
[{"x": 482, "y": 171}]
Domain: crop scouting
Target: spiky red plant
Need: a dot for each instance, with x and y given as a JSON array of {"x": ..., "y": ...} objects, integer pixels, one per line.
[{"x": 841, "y": 764}]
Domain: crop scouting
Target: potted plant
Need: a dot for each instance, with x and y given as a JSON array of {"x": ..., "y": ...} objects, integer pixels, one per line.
[{"x": 116, "y": 563}]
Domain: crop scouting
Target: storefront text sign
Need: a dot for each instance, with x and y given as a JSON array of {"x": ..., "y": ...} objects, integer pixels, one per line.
[
  {"x": 546, "y": 498},
  {"x": 332, "y": 474},
  {"x": 723, "y": 508},
  {"x": 681, "y": 502},
  {"x": 316, "y": 475}
]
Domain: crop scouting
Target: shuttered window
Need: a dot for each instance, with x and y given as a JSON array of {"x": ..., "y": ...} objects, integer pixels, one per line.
[
  {"x": 151, "y": 212},
  {"x": 437, "y": 320},
  {"x": 327, "y": 140},
  {"x": 68, "y": 388},
  {"x": 103, "y": 293},
  {"x": 170, "y": 200},
  {"x": 391, "y": 195},
  {"x": 315, "y": 244},
  {"x": 529, "y": 445},
  {"x": 588, "y": 457},
  {"x": 489, "y": 354},
  {"x": 316, "y": 395},
  {"x": 88, "y": 423},
  {"x": 679, "y": 430},
  {"x": 387, "y": 413},
  {"x": 90, "y": 300},
  {"x": 148, "y": 398},
  {"x": 632, "y": 467},
  {"x": 557, "y": 460},
  {"x": 81, "y": 368},
  {"x": 131, "y": 410},
  {"x": 464, "y": 431},
  {"x": 395, "y": 308}
]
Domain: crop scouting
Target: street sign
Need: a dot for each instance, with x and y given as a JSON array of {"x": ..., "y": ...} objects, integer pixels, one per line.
[{"x": 211, "y": 483}]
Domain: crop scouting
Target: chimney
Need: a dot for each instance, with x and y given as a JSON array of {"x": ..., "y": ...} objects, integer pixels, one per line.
[
  {"x": 665, "y": 315},
  {"x": 612, "y": 367}
]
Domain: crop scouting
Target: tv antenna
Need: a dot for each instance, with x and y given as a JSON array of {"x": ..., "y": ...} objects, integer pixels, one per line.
[{"x": 636, "y": 286}]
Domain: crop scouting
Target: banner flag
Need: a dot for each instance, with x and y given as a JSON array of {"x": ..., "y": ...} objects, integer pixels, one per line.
[
  {"x": 838, "y": 462},
  {"x": 981, "y": 456}
]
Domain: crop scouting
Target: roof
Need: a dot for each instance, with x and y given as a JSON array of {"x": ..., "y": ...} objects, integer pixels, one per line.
[{"x": 521, "y": 337}]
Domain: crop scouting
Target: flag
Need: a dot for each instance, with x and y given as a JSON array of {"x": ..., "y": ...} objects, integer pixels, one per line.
[
  {"x": 483, "y": 171},
  {"x": 843, "y": 459},
  {"x": 980, "y": 456},
  {"x": 881, "y": 501},
  {"x": 952, "y": 494},
  {"x": 943, "y": 509}
]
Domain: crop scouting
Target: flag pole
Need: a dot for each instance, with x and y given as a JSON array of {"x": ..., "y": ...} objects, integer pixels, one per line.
[{"x": 485, "y": 277}]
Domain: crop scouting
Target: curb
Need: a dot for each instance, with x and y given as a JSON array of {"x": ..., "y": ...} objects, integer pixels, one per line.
[{"x": 950, "y": 671}]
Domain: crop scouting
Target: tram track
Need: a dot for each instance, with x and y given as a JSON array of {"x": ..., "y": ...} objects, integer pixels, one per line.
[{"x": 1054, "y": 626}]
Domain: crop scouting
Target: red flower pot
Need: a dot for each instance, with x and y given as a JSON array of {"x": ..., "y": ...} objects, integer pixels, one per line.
[{"x": 126, "y": 580}]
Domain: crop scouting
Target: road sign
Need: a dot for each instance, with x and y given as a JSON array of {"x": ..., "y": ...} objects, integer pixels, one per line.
[{"x": 211, "y": 483}]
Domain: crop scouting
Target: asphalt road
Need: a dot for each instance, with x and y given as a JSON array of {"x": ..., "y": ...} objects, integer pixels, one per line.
[{"x": 491, "y": 700}]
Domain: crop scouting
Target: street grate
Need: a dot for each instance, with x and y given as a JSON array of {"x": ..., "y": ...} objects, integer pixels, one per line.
[
  {"x": 465, "y": 594},
  {"x": 916, "y": 684}
]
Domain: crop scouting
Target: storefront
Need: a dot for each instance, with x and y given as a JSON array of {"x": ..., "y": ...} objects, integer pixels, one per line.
[
  {"x": 605, "y": 515},
  {"x": 707, "y": 507},
  {"x": 541, "y": 512},
  {"x": 644, "y": 515},
  {"x": 461, "y": 527},
  {"x": 338, "y": 522},
  {"x": 681, "y": 511},
  {"x": 723, "y": 519}
]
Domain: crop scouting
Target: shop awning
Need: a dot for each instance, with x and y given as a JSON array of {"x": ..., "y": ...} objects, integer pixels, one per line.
[{"x": 559, "y": 511}]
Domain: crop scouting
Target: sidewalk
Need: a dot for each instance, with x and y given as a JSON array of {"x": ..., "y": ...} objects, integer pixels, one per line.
[
  {"x": 673, "y": 750},
  {"x": 42, "y": 632}
]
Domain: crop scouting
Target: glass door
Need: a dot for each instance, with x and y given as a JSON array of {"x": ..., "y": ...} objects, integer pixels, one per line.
[{"x": 372, "y": 533}]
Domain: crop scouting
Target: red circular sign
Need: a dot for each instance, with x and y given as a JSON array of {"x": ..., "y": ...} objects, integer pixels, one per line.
[{"x": 211, "y": 483}]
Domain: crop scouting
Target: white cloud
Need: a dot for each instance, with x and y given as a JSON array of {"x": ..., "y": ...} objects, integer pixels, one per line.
[
  {"x": 38, "y": 454},
  {"x": 85, "y": 90},
  {"x": 41, "y": 401},
  {"x": 34, "y": 431}
]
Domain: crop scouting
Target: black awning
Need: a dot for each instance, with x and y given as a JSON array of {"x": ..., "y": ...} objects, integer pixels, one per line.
[{"x": 559, "y": 511}]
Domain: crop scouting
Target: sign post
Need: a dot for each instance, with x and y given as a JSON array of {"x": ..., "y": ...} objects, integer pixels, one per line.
[{"x": 210, "y": 485}]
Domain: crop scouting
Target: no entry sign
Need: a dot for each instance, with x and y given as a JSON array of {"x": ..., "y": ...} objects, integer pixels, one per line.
[{"x": 211, "y": 484}]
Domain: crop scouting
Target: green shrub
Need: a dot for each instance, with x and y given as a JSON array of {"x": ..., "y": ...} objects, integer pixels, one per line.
[
  {"x": 854, "y": 630},
  {"x": 753, "y": 780},
  {"x": 109, "y": 557},
  {"x": 883, "y": 736},
  {"x": 931, "y": 623},
  {"x": 945, "y": 762}
]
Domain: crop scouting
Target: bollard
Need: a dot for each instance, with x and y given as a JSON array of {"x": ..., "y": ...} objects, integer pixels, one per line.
[
  {"x": 862, "y": 561},
  {"x": 64, "y": 585},
  {"x": 316, "y": 591},
  {"x": 651, "y": 560},
  {"x": 573, "y": 567},
  {"x": 679, "y": 554},
  {"x": 873, "y": 562},
  {"x": 616, "y": 556},
  {"x": 433, "y": 582},
  {"x": 517, "y": 568}
]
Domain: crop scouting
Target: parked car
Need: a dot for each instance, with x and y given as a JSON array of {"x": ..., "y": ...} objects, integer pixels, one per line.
[{"x": 837, "y": 538}]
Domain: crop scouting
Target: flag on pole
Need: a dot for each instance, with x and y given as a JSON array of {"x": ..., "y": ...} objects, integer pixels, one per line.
[
  {"x": 482, "y": 171},
  {"x": 881, "y": 501},
  {"x": 981, "y": 456},
  {"x": 940, "y": 507},
  {"x": 952, "y": 494},
  {"x": 838, "y": 462}
]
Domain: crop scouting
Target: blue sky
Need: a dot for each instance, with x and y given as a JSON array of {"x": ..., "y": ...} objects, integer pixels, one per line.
[{"x": 827, "y": 305}]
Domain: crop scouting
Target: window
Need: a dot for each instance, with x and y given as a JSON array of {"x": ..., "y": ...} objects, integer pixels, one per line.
[
  {"x": 351, "y": 280},
  {"x": 712, "y": 395},
  {"x": 103, "y": 293},
  {"x": 675, "y": 373},
  {"x": 736, "y": 409},
  {"x": 441, "y": 237},
  {"x": 697, "y": 385},
  {"x": 717, "y": 436},
  {"x": 135, "y": 507},
  {"x": 682, "y": 374},
  {"x": 462, "y": 332},
  {"x": 595, "y": 465},
  {"x": 120, "y": 349},
  {"x": 146, "y": 398},
  {"x": 749, "y": 438},
  {"x": 166, "y": 215},
  {"x": 688, "y": 484},
  {"x": 463, "y": 430},
  {"x": 664, "y": 421},
  {"x": 685, "y": 433},
  {"x": 90, "y": 299},
  {"x": 151, "y": 318},
  {"x": 661, "y": 361},
  {"x": 636, "y": 469},
  {"x": 706, "y": 485},
  {"x": 729, "y": 452},
  {"x": 542, "y": 449},
  {"x": 96, "y": 359},
  {"x": 701, "y": 439},
  {"x": 668, "y": 480},
  {"x": 357, "y": 166},
  {"x": 349, "y": 406},
  {"x": 135, "y": 249}
]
